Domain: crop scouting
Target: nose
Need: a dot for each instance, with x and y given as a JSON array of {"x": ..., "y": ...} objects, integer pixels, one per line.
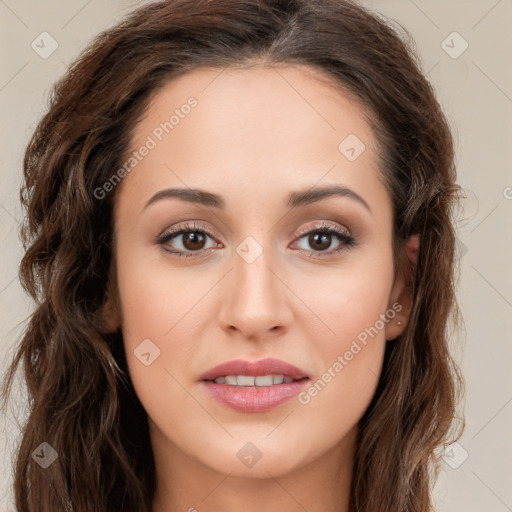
[{"x": 256, "y": 299}]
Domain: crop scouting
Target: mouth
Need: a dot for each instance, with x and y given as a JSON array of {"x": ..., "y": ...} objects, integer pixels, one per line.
[{"x": 254, "y": 386}]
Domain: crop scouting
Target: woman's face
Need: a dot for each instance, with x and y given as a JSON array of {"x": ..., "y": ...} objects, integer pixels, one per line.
[{"x": 256, "y": 278}]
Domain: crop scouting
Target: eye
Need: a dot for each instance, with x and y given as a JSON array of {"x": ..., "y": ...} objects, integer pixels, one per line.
[
  {"x": 190, "y": 237},
  {"x": 322, "y": 237}
]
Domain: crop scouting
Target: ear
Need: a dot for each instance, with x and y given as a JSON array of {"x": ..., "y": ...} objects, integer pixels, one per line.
[
  {"x": 401, "y": 292},
  {"x": 109, "y": 313}
]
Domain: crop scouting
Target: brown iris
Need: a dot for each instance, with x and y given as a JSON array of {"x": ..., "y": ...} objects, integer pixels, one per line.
[
  {"x": 324, "y": 239},
  {"x": 193, "y": 240}
]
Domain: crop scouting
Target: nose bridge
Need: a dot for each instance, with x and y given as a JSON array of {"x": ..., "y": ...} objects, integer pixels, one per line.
[
  {"x": 256, "y": 301},
  {"x": 252, "y": 275}
]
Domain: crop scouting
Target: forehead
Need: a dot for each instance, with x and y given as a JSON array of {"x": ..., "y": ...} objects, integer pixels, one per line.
[
  {"x": 262, "y": 107},
  {"x": 254, "y": 131}
]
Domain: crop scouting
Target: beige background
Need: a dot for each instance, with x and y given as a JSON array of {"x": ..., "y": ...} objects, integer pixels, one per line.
[{"x": 475, "y": 89}]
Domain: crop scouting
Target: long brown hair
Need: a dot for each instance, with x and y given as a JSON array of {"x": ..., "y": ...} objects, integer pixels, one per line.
[{"x": 82, "y": 402}]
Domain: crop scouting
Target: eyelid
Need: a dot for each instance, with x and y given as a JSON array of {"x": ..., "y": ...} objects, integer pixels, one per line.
[
  {"x": 191, "y": 225},
  {"x": 324, "y": 224}
]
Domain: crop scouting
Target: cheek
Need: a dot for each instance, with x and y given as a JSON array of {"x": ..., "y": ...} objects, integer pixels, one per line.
[
  {"x": 160, "y": 305},
  {"x": 342, "y": 302},
  {"x": 352, "y": 304},
  {"x": 163, "y": 306},
  {"x": 157, "y": 300}
]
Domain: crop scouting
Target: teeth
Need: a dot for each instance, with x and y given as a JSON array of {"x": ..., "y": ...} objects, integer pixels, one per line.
[
  {"x": 245, "y": 380},
  {"x": 249, "y": 380}
]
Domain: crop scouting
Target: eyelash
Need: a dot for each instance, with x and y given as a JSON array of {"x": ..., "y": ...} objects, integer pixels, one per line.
[{"x": 347, "y": 240}]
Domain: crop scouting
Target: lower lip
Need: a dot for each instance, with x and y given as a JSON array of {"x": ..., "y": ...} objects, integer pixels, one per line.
[{"x": 254, "y": 398}]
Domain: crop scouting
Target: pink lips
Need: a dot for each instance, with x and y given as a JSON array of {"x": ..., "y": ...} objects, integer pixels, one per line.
[{"x": 254, "y": 398}]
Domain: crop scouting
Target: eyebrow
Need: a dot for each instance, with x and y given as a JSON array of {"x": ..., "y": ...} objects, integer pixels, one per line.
[{"x": 295, "y": 199}]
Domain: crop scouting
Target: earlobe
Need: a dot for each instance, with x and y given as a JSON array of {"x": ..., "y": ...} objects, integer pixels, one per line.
[
  {"x": 402, "y": 292},
  {"x": 412, "y": 249},
  {"x": 109, "y": 315}
]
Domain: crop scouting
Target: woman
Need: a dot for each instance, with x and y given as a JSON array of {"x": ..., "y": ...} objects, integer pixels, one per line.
[{"x": 240, "y": 241}]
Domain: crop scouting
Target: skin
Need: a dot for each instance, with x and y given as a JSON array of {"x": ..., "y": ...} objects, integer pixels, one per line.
[{"x": 256, "y": 135}]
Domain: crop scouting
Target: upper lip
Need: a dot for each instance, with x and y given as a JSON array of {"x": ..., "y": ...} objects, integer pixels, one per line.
[{"x": 268, "y": 366}]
